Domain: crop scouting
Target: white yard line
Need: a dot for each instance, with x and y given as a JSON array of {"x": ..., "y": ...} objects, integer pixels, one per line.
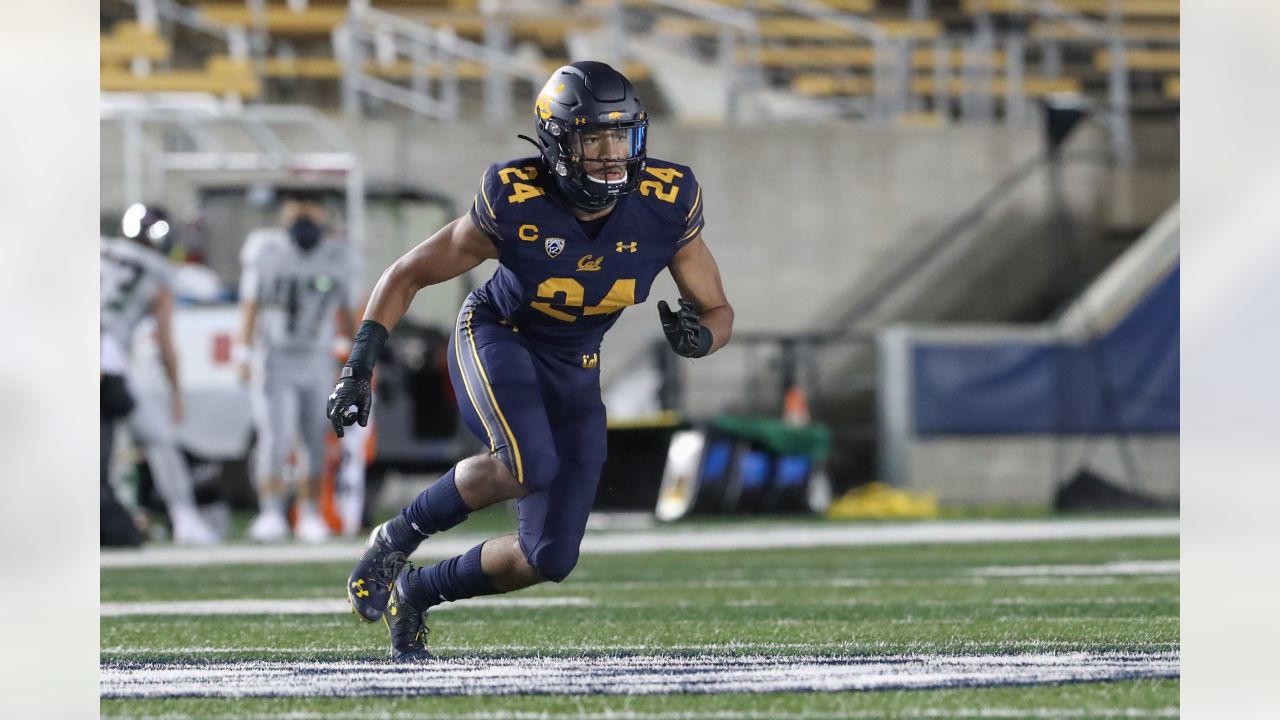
[
  {"x": 622, "y": 675},
  {"x": 741, "y": 537},
  {"x": 922, "y": 714},
  {"x": 321, "y": 606},
  {"x": 1150, "y": 567},
  {"x": 132, "y": 651}
]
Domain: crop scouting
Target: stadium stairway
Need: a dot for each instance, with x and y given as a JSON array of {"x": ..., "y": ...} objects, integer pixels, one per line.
[
  {"x": 979, "y": 412},
  {"x": 1020, "y": 254}
]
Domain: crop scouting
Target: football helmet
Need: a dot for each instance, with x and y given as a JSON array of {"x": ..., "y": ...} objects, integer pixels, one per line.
[
  {"x": 591, "y": 100},
  {"x": 149, "y": 226}
]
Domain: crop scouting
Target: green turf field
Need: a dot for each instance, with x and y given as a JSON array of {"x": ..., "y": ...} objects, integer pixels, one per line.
[{"x": 821, "y": 608}]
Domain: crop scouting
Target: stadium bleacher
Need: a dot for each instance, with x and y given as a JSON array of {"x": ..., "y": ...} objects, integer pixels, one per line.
[
  {"x": 923, "y": 219},
  {"x": 822, "y": 49}
]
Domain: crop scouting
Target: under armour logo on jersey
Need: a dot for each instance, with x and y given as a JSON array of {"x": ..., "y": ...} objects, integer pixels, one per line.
[
  {"x": 587, "y": 263},
  {"x": 589, "y": 362},
  {"x": 629, "y": 247},
  {"x": 554, "y": 246}
]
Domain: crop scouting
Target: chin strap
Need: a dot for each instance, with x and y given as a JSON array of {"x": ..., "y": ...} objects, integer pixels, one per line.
[{"x": 531, "y": 141}]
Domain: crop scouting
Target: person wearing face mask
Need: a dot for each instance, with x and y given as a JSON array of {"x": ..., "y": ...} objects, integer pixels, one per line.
[{"x": 297, "y": 284}]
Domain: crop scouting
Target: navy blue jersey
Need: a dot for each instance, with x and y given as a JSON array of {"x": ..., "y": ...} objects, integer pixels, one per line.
[{"x": 560, "y": 287}]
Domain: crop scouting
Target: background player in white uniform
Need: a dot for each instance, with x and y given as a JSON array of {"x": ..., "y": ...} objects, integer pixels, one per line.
[
  {"x": 295, "y": 283},
  {"x": 136, "y": 281}
]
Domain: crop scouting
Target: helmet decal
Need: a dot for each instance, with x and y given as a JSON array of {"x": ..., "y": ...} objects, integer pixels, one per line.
[{"x": 543, "y": 106}]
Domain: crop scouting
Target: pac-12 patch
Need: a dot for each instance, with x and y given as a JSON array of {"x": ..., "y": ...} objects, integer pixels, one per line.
[{"x": 554, "y": 246}]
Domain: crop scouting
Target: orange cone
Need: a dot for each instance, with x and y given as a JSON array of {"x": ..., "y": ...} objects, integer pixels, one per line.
[{"x": 795, "y": 406}]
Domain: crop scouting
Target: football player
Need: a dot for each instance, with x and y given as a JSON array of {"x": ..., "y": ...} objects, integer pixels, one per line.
[
  {"x": 137, "y": 281},
  {"x": 580, "y": 232},
  {"x": 295, "y": 283}
]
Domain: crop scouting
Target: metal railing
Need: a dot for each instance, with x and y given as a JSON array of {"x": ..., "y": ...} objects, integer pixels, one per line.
[
  {"x": 434, "y": 55},
  {"x": 737, "y": 45},
  {"x": 891, "y": 73},
  {"x": 1109, "y": 33},
  {"x": 202, "y": 119},
  {"x": 152, "y": 12}
]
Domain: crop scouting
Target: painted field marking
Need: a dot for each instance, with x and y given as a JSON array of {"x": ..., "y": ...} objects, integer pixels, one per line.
[
  {"x": 683, "y": 539},
  {"x": 1141, "y": 567},
  {"x": 908, "y": 713},
  {"x": 315, "y": 606},
  {"x": 621, "y": 675},
  {"x": 842, "y": 647}
]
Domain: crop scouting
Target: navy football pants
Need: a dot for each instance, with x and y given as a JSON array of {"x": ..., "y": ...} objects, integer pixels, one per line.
[{"x": 540, "y": 413}]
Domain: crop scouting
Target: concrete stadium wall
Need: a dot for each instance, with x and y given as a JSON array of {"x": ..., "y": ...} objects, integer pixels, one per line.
[
  {"x": 1028, "y": 467},
  {"x": 797, "y": 216}
]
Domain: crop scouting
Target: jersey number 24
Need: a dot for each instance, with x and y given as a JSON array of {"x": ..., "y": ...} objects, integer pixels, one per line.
[{"x": 622, "y": 294}]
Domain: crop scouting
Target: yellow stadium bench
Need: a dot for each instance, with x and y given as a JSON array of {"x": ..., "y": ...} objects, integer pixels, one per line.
[
  {"x": 1128, "y": 8},
  {"x": 1139, "y": 30},
  {"x": 826, "y": 85},
  {"x": 1141, "y": 60},
  {"x": 114, "y": 50},
  {"x": 822, "y": 85},
  {"x": 128, "y": 40},
  {"x": 547, "y": 31},
  {"x": 280, "y": 20},
  {"x": 800, "y": 28},
  {"x": 855, "y": 56},
  {"x": 861, "y": 7},
  {"x": 331, "y": 69},
  {"x": 1031, "y": 86},
  {"x": 115, "y": 80},
  {"x": 451, "y": 5}
]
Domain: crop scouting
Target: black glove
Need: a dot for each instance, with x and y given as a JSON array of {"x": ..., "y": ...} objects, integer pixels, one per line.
[
  {"x": 688, "y": 336},
  {"x": 352, "y": 389}
]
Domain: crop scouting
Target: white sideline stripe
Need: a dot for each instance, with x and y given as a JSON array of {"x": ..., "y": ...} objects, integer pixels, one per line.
[
  {"x": 621, "y": 675},
  {"x": 921, "y": 714},
  {"x": 1147, "y": 567},
  {"x": 744, "y": 537},
  {"x": 316, "y": 606},
  {"x": 125, "y": 651}
]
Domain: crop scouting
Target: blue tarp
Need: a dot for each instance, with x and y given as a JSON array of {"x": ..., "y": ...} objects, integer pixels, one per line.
[{"x": 1125, "y": 380}]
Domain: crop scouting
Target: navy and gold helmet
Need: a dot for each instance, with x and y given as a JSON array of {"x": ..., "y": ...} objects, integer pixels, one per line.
[{"x": 581, "y": 104}]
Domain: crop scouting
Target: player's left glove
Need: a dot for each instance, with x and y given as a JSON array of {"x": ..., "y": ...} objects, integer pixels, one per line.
[
  {"x": 687, "y": 336},
  {"x": 351, "y": 401}
]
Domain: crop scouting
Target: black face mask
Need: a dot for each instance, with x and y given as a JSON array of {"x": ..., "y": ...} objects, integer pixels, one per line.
[{"x": 305, "y": 233}]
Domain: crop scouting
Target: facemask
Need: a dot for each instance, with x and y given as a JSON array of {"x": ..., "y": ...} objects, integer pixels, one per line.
[{"x": 305, "y": 233}]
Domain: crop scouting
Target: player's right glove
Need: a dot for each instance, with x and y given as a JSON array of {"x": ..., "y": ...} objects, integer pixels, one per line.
[
  {"x": 351, "y": 400},
  {"x": 686, "y": 334}
]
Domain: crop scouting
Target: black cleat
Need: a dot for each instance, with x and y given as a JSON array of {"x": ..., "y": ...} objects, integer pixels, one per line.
[
  {"x": 407, "y": 624},
  {"x": 370, "y": 583}
]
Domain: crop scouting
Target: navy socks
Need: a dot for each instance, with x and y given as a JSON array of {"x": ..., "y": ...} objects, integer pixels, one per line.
[
  {"x": 436, "y": 509},
  {"x": 453, "y": 579}
]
